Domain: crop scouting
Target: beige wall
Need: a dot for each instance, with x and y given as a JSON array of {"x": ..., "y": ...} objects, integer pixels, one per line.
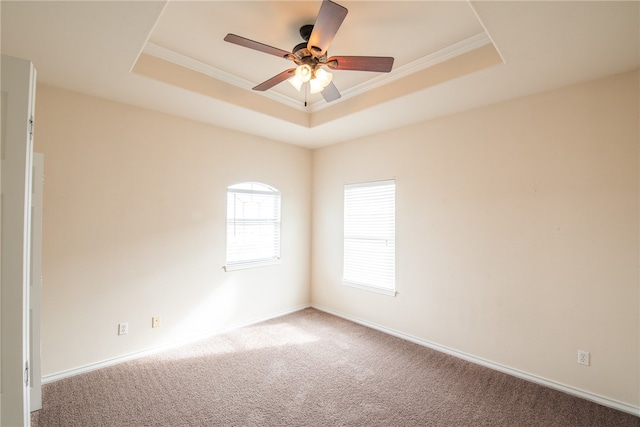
[
  {"x": 134, "y": 227},
  {"x": 517, "y": 233}
]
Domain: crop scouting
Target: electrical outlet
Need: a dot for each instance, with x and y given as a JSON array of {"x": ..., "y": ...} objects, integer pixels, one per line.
[
  {"x": 123, "y": 328},
  {"x": 583, "y": 357},
  {"x": 155, "y": 322}
]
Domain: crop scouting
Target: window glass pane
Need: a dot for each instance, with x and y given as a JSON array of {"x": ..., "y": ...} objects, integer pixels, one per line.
[
  {"x": 369, "y": 234},
  {"x": 253, "y": 225}
]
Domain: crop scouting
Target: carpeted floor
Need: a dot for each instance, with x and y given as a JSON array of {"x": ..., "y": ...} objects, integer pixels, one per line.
[{"x": 310, "y": 369}]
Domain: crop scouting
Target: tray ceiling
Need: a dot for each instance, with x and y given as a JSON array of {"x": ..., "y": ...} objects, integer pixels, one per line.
[{"x": 450, "y": 56}]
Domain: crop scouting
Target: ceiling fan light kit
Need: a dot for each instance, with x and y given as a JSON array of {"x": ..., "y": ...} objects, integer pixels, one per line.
[
  {"x": 318, "y": 79},
  {"x": 311, "y": 56}
]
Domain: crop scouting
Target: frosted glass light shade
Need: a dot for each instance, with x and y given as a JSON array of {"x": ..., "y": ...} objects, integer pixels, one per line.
[
  {"x": 295, "y": 82},
  {"x": 315, "y": 86},
  {"x": 303, "y": 72},
  {"x": 324, "y": 77}
]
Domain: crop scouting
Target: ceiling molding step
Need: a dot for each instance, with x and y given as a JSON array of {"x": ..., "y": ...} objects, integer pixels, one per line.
[
  {"x": 456, "y": 49},
  {"x": 196, "y": 82},
  {"x": 459, "y": 48},
  {"x": 216, "y": 73}
]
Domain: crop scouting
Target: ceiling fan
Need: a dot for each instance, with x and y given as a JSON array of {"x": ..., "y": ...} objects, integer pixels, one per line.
[{"x": 311, "y": 56}]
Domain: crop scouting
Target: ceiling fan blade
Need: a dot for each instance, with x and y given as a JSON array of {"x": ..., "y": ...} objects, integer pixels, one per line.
[
  {"x": 251, "y": 44},
  {"x": 286, "y": 74},
  {"x": 381, "y": 64},
  {"x": 329, "y": 19},
  {"x": 331, "y": 93}
]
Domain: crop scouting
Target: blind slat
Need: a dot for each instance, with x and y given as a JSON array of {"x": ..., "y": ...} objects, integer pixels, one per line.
[
  {"x": 253, "y": 224},
  {"x": 369, "y": 234}
]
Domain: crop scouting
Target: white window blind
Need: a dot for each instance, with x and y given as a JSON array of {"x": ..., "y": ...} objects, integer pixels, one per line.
[
  {"x": 369, "y": 235},
  {"x": 253, "y": 225}
]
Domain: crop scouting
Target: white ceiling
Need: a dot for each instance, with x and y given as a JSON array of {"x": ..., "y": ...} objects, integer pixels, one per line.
[{"x": 122, "y": 51}]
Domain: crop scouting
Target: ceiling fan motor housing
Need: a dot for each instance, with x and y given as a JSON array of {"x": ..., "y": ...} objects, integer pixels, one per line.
[
  {"x": 305, "y": 32},
  {"x": 301, "y": 53},
  {"x": 299, "y": 47}
]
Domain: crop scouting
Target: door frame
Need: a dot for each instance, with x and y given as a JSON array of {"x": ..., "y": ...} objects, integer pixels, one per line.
[
  {"x": 18, "y": 78},
  {"x": 36, "y": 282}
]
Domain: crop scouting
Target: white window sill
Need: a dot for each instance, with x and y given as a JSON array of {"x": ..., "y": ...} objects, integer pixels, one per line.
[
  {"x": 246, "y": 265},
  {"x": 384, "y": 291}
]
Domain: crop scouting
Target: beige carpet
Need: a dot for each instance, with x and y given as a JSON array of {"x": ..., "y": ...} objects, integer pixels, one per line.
[{"x": 310, "y": 369}]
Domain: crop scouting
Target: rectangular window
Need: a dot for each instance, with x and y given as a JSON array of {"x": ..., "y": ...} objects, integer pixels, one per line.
[
  {"x": 253, "y": 225},
  {"x": 369, "y": 235}
]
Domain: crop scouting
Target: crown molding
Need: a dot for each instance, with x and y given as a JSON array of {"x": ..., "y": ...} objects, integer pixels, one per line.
[{"x": 471, "y": 43}]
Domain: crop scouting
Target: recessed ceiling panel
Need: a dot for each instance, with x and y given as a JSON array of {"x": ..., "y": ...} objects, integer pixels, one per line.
[
  {"x": 443, "y": 57},
  {"x": 407, "y": 31}
]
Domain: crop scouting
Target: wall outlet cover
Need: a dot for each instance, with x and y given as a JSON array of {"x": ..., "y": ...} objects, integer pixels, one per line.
[
  {"x": 583, "y": 357},
  {"x": 123, "y": 328}
]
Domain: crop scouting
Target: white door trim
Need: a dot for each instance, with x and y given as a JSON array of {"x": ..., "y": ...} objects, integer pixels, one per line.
[{"x": 36, "y": 282}]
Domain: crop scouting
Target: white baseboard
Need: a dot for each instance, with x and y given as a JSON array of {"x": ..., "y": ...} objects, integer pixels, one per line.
[
  {"x": 612, "y": 403},
  {"x": 150, "y": 351}
]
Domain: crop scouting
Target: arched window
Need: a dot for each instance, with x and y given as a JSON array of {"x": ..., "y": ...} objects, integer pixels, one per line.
[{"x": 253, "y": 225}]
